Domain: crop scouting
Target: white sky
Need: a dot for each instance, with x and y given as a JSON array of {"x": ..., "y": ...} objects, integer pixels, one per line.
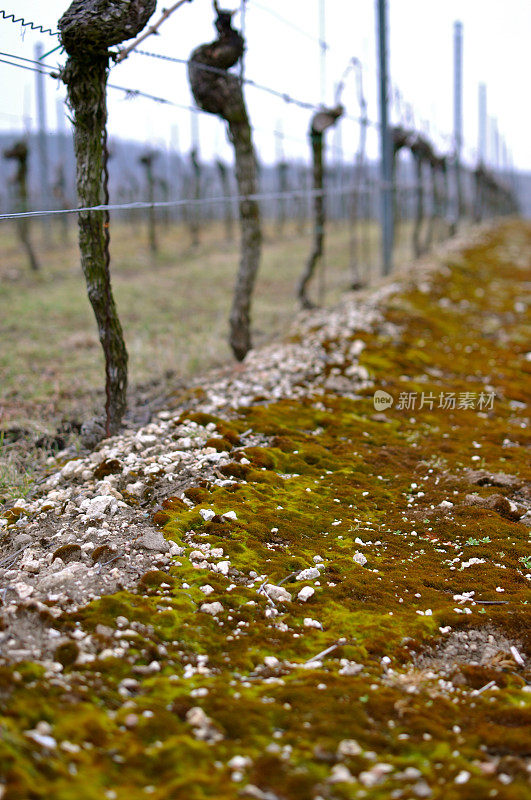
[{"x": 496, "y": 52}]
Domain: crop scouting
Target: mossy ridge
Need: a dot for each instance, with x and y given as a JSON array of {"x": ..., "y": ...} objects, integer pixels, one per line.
[{"x": 327, "y": 452}]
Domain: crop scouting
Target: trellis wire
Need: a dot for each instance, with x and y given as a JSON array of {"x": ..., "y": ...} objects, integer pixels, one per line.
[
  {"x": 284, "y": 96},
  {"x": 23, "y": 66},
  {"x": 29, "y": 60},
  {"x": 41, "y": 67},
  {"x": 287, "y": 22},
  {"x": 33, "y": 26},
  {"x": 139, "y": 204},
  {"x": 287, "y": 98},
  {"x": 36, "y": 27},
  {"x": 131, "y": 94}
]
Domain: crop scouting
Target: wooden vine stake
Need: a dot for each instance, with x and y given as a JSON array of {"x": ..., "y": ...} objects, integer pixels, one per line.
[
  {"x": 321, "y": 121},
  {"x": 219, "y": 92},
  {"x": 88, "y": 28}
]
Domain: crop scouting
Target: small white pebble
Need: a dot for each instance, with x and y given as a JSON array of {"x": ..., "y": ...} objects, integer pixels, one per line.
[
  {"x": 305, "y": 593},
  {"x": 312, "y": 623},
  {"x": 349, "y": 747},
  {"x": 211, "y": 608},
  {"x": 340, "y": 774},
  {"x": 239, "y": 762},
  {"x": 308, "y": 574}
]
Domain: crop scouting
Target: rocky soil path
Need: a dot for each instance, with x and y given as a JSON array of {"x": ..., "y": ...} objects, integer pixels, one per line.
[{"x": 305, "y": 577}]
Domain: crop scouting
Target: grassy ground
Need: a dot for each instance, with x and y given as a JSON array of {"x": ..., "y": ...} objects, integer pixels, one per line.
[
  {"x": 386, "y": 712},
  {"x": 174, "y": 309}
]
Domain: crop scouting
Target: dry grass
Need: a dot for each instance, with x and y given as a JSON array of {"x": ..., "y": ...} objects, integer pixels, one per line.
[{"x": 174, "y": 309}]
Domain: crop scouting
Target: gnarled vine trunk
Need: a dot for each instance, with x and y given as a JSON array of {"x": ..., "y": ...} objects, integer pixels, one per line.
[
  {"x": 147, "y": 162},
  {"x": 318, "y": 220},
  {"x": 437, "y": 173},
  {"x": 88, "y": 28},
  {"x": 251, "y": 236},
  {"x": 400, "y": 138},
  {"x": 419, "y": 207},
  {"x": 19, "y": 153},
  {"x": 321, "y": 121},
  {"x": 227, "y": 203},
  {"x": 195, "y": 216},
  {"x": 283, "y": 187},
  {"x": 217, "y": 91},
  {"x": 423, "y": 153}
]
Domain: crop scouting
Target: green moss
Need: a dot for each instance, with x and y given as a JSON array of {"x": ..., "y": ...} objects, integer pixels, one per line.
[
  {"x": 109, "y": 466},
  {"x": 102, "y": 554},
  {"x": 174, "y": 504},
  {"x": 219, "y": 443},
  {"x": 66, "y": 653},
  {"x": 160, "y": 518},
  {"x": 68, "y": 552},
  {"x": 334, "y": 479},
  {"x": 154, "y": 578}
]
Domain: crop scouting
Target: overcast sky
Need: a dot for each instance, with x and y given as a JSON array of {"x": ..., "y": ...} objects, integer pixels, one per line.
[{"x": 283, "y": 53}]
